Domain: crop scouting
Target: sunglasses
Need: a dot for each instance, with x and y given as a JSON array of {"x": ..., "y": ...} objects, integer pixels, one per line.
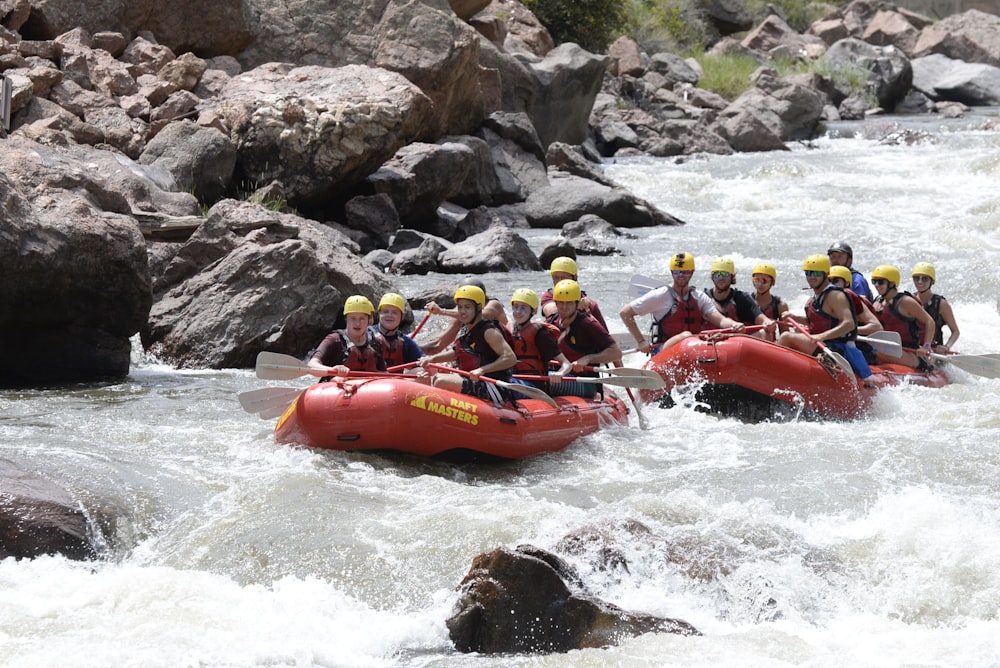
[
  {"x": 921, "y": 279},
  {"x": 759, "y": 280},
  {"x": 879, "y": 281},
  {"x": 812, "y": 273},
  {"x": 681, "y": 272},
  {"x": 720, "y": 274}
]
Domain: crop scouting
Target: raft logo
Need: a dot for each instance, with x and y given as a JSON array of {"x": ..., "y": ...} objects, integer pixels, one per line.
[{"x": 463, "y": 411}]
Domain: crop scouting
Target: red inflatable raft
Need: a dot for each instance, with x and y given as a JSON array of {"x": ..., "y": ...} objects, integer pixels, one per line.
[
  {"x": 751, "y": 379},
  {"x": 407, "y": 416}
]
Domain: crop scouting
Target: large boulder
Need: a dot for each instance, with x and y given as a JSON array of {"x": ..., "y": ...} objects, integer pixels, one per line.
[
  {"x": 496, "y": 249},
  {"x": 972, "y": 36},
  {"x": 38, "y": 516},
  {"x": 568, "y": 79},
  {"x": 530, "y": 600},
  {"x": 786, "y": 110},
  {"x": 200, "y": 160},
  {"x": 318, "y": 130},
  {"x": 890, "y": 74},
  {"x": 941, "y": 78},
  {"x": 73, "y": 260},
  {"x": 249, "y": 280},
  {"x": 570, "y": 197}
]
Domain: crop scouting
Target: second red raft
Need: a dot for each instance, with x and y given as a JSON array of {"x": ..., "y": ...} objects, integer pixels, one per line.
[{"x": 752, "y": 379}]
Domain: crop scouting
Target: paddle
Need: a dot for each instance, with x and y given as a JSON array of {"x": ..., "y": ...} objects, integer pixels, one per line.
[
  {"x": 832, "y": 355},
  {"x": 420, "y": 326},
  {"x": 526, "y": 390},
  {"x": 978, "y": 365},
  {"x": 642, "y": 382},
  {"x": 276, "y": 366},
  {"x": 887, "y": 343},
  {"x": 640, "y": 285},
  {"x": 620, "y": 371},
  {"x": 268, "y": 402}
]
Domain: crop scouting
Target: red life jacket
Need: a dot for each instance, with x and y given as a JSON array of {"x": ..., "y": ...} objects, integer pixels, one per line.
[
  {"x": 360, "y": 358},
  {"x": 893, "y": 320},
  {"x": 392, "y": 348},
  {"x": 821, "y": 321},
  {"x": 529, "y": 357},
  {"x": 771, "y": 310},
  {"x": 727, "y": 307},
  {"x": 472, "y": 351},
  {"x": 685, "y": 316}
]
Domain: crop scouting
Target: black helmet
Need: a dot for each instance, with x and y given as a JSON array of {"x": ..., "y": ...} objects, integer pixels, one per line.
[{"x": 840, "y": 247}]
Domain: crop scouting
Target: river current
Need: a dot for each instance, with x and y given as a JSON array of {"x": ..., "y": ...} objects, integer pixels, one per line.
[{"x": 868, "y": 543}]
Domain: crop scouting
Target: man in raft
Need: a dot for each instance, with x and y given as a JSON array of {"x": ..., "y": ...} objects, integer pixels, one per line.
[
  {"x": 353, "y": 348},
  {"x": 829, "y": 316},
  {"x": 565, "y": 269},
  {"x": 481, "y": 349},
  {"x": 583, "y": 342},
  {"x": 678, "y": 311}
]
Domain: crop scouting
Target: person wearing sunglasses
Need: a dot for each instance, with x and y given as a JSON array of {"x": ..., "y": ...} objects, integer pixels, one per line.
[
  {"x": 937, "y": 306},
  {"x": 678, "y": 310},
  {"x": 764, "y": 277},
  {"x": 842, "y": 255},
  {"x": 900, "y": 312},
  {"x": 829, "y": 317},
  {"x": 732, "y": 302}
]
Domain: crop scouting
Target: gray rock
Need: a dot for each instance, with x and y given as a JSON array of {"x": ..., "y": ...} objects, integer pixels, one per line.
[
  {"x": 530, "y": 600},
  {"x": 497, "y": 249}
]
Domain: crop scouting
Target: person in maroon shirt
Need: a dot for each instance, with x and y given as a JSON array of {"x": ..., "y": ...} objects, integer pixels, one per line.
[
  {"x": 562, "y": 269},
  {"x": 582, "y": 340}
]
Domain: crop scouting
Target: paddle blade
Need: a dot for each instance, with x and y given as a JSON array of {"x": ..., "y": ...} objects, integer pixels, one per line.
[
  {"x": 977, "y": 365},
  {"x": 886, "y": 347},
  {"x": 267, "y": 400},
  {"x": 528, "y": 391},
  {"x": 640, "y": 285},
  {"x": 651, "y": 382}
]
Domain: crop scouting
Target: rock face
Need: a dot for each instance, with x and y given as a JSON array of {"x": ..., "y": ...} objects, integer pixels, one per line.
[
  {"x": 319, "y": 130},
  {"x": 251, "y": 279},
  {"x": 75, "y": 270},
  {"x": 529, "y": 600}
]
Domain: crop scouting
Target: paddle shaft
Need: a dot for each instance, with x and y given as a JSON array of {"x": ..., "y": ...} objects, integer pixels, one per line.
[
  {"x": 420, "y": 326},
  {"x": 526, "y": 390}
]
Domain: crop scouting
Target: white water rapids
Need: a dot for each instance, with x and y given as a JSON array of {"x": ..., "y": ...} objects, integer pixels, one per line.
[{"x": 871, "y": 543}]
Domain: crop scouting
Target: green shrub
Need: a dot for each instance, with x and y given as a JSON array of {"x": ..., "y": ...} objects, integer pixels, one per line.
[
  {"x": 727, "y": 74},
  {"x": 800, "y": 14},
  {"x": 593, "y": 24},
  {"x": 666, "y": 25}
]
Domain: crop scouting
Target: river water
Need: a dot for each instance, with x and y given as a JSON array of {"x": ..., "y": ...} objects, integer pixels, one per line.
[{"x": 872, "y": 543}]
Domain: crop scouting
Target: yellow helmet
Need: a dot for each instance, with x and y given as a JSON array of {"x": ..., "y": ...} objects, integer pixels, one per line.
[
  {"x": 526, "y": 296},
  {"x": 767, "y": 269},
  {"x": 924, "y": 269},
  {"x": 393, "y": 299},
  {"x": 682, "y": 262},
  {"x": 817, "y": 263},
  {"x": 888, "y": 272},
  {"x": 566, "y": 291},
  {"x": 358, "y": 304},
  {"x": 842, "y": 272},
  {"x": 566, "y": 265},
  {"x": 472, "y": 292},
  {"x": 723, "y": 264}
]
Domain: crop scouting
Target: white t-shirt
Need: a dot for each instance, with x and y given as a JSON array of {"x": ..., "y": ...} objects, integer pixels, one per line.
[{"x": 659, "y": 302}]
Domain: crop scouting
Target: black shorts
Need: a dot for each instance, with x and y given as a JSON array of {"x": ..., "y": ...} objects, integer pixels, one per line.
[{"x": 485, "y": 391}]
